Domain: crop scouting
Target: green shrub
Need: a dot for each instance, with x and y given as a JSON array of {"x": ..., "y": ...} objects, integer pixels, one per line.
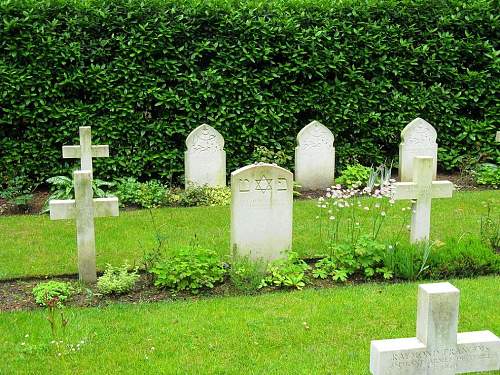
[
  {"x": 206, "y": 196},
  {"x": 117, "y": 280},
  {"x": 263, "y": 154},
  {"x": 144, "y": 74},
  {"x": 191, "y": 269},
  {"x": 52, "y": 292},
  {"x": 365, "y": 257},
  {"x": 462, "y": 258},
  {"x": 147, "y": 194},
  {"x": 289, "y": 272},
  {"x": 246, "y": 274},
  {"x": 354, "y": 176},
  {"x": 488, "y": 174}
]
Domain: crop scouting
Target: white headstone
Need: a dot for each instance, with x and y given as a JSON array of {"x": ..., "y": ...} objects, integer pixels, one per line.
[
  {"x": 498, "y": 136},
  {"x": 422, "y": 190},
  {"x": 418, "y": 139},
  {"x": 83, "y": 208},
  {"x": 205, "y": 158},
  {"x": 437, "y": 349},
  {"x": 85, "y": 151},
  {"x": 315, "y": 157},
  {"x": 261, "y": 211}
]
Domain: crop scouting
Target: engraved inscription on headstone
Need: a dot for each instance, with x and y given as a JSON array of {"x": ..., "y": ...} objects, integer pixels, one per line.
[
  {"x": 438, "y": 349},
  {"x": 261, "y": 211},
  {"x": 205, "y": 158},
  {"x": 418, "y": 139},
  {"x": 315, "y": 157}
]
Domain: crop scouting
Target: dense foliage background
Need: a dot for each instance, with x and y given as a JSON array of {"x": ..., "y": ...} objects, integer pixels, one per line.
[{"x": 144, "y": 74}]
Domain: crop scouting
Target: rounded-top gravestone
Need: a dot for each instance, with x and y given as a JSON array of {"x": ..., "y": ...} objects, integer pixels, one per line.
[
  {"x": 205, "y": 158},
  {"x": 261, "y": 211},
  {"x": 418, "y": 139},
  {"x": 315, "y": 157}
]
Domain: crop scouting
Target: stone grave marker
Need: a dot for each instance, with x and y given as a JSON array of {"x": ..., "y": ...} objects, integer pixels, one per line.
[
  {"x": 205, "y": 158},
  {"x": 438, "y": 349},
  {"x": 422, "y": 189},
  {"x": 85, "y": 151},
  {"x": 418, "y": 139},
  {"x": 84, "y": 209},
  {"x": 261, "y": 211},
  {"x": 497, "y": 138},
  {"x": 315, "y": 157}
]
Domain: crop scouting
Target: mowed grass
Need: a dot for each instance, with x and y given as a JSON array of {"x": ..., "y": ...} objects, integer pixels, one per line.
[
  {"x": 324, "y": 331},
  {"x": 36, "y": 246}
]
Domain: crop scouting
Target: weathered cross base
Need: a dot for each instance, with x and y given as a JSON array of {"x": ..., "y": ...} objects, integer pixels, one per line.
[
  {"x": 84, "y": 208},
  {"x": 437, "y": 349}
]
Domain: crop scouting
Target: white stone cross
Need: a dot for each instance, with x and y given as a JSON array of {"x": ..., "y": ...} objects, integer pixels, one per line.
[
  {"x": 422, "y": 189},
  {"x": 84, "y": 208},
  {"x": 85, "y": 151},
  {"x": 438, "y": 349}
]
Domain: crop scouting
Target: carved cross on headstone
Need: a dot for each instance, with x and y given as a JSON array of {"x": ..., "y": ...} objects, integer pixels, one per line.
[
  {"x": 84, "y": 209},
  {"x": 422, "y": 189},
  {"x": 438, "y": 349},
  {"x": 85, "y": 151}
]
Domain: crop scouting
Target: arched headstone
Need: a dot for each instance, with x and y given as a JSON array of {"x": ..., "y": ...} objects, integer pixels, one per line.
[
  {"x": 315, "y": 157},
  {"x": 418, "y": 138},
  {"x": 205, "y": 158},
  {"x": 261, "y": 211}
]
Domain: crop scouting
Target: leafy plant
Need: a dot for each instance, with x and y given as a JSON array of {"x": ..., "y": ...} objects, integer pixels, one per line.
[
  {"x": 462, "y": 257},
  {"x": 365, "y": 257},
  {"x": 62, "y": 187},
  {"x": 246, "y": 274},
  {"x": 117, "y": 280},
  {"x": 488, "y": 174},
  {"x": 49, "y": 291},
  {"x": 16, "y": 193},
  {"x": 147, "y": 194},
  {"x": 206, "y": 196},
  {"x": 354, "y": 176},
  {"x": 263, "y": 154},
  {"x": 52, "y": 295},
  {"x": 190, "y": 269},
  {"x": 289, "y": 272}
]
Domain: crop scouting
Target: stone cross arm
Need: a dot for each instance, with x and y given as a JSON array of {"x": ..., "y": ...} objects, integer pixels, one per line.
[
  {"x": 407, "y": 190},
  {"x": 66, "y": 209},
  {"x": 75, "y": 152}
]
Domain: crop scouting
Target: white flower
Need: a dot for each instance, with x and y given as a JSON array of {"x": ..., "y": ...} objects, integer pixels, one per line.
[
  {"x": 321, "y": 199},
  {"x": 366, "y": 208},
  {"x": 332, "y": 217},
  {"x": 382, "y": 213}
]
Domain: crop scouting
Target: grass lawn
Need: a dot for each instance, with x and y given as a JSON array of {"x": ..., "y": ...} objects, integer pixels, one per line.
[
  {"x": 34, "y": 245},
  {"x": 324, "y": 331}
]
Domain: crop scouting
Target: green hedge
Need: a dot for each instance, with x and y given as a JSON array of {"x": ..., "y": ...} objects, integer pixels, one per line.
[{"x": 144, "y": 74}]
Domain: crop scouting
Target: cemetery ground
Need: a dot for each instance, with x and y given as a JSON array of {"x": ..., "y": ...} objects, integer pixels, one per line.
[
  {"x": 32, "y": 245},
  {"x": 326, "y": 331},
  {"x": 325, "y": 328}
]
